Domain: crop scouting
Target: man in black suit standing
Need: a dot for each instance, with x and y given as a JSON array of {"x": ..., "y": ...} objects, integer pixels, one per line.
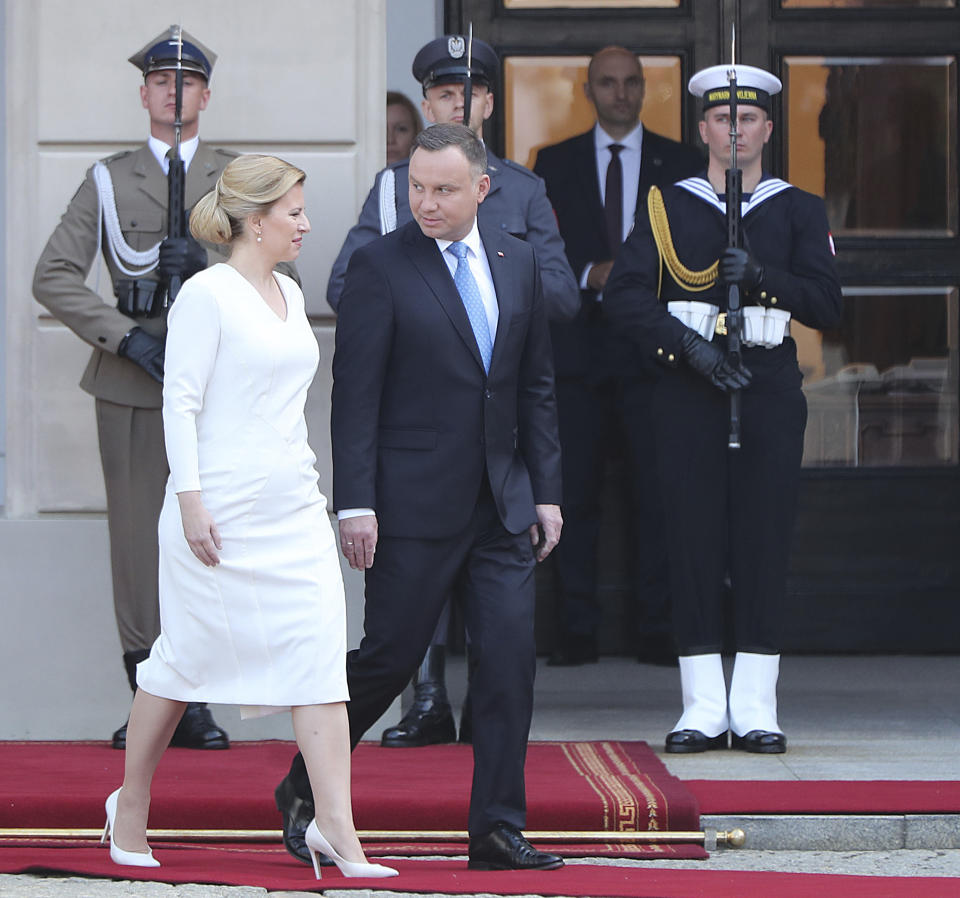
[
  {"x": 446, "y": 464},
  {"x": 596, "y": 181}
]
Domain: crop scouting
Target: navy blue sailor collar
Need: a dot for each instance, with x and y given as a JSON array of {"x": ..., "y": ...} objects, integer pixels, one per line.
[{"x": 767, "y": 188}]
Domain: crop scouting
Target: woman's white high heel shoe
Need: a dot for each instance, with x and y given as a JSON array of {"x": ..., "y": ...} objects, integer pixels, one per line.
[
  {"x": 317, "y": 842},
  {"x": 118, "y": 855}
]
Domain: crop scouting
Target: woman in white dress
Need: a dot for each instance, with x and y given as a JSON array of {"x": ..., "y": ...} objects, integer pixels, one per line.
[{"x": 251, "y": 597}]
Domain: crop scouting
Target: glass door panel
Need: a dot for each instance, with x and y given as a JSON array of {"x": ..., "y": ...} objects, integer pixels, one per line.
[
  {"x": 876, "y": 137},
  {"x": 882, "y": 389},
  {"x": 590, "y": 4},
  {"x": 868, "y": 4},
  {"x": 545, "y": 103}
]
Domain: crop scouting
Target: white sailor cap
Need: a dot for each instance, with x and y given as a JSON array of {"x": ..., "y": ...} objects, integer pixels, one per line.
[{"x": 754, "y": 86}]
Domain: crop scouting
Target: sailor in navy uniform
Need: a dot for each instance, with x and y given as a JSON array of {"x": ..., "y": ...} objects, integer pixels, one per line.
[{"x": 727, "y": 512}]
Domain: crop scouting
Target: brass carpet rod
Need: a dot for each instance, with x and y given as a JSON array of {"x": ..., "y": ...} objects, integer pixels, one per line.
[{"x": 733, "y": 838}]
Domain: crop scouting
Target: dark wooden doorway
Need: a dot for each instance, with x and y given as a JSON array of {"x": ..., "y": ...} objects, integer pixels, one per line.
[{"x": 868, "y": 118}]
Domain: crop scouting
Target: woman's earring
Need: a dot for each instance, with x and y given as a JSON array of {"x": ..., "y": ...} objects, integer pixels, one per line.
[{"x": 259, "y": 238}]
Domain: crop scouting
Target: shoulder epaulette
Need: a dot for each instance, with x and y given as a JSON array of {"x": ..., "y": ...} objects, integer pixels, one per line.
[
  {"x": 116, "y": 156},
  {"x": 520, "y": 169}
]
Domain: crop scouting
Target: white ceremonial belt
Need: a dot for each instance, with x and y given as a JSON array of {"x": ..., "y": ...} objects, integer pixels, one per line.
[
  {"x": 761, "y": 326},
  {"x": 700, "y": 316},
  {"x": 764, "y": 327}
]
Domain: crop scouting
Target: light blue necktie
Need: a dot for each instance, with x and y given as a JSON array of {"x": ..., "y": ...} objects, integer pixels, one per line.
[{"x": 470, "y": 294}]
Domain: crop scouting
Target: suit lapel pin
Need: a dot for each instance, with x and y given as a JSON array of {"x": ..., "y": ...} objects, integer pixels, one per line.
[{"x": 500, "y": 254}]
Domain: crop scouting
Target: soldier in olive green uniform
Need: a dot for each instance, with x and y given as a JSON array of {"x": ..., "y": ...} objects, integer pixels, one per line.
[{"x": 120, "y": 212}]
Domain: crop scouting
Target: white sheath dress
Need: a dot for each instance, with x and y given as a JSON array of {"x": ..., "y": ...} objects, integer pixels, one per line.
[{"x": 266, "y": 628}]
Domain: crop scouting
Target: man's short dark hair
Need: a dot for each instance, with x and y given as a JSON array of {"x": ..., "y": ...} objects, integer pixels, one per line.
[{"x": 453, "y": 134}]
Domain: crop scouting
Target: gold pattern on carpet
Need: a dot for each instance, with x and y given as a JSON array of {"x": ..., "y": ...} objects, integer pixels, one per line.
[{"x": 621, "y": 788}]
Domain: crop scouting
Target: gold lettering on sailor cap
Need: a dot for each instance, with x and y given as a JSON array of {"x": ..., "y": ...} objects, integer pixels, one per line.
[
  {"x": 743, "y": 93},
  {"x": 750, "y": 96}
]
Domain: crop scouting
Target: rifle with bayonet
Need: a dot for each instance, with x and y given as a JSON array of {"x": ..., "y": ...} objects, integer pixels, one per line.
[
  {"x": 468, "y": 81},
  {"x": 734, "y": 188},
  {"x": 176, "y": 177}
]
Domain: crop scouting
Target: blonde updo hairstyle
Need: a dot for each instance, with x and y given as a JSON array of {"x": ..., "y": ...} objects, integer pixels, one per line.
[{"x": 248, "y": 185}]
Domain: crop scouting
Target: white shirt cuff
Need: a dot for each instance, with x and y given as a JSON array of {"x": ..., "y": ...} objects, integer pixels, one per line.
[
  {"x": 583, "y": 281},
  {"x": 585, "y": 275},
  {"x": 345, "y": 513}
]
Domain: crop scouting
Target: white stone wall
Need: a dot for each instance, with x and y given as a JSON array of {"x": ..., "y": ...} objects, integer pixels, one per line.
[{"x": 304, "y": 79}]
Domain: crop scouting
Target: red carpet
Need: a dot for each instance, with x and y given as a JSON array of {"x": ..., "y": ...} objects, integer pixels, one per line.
[
  {"x": 571, "y": 786},
  {"x": 826, "y": 796},
  {"x": 271, "y": 868}
]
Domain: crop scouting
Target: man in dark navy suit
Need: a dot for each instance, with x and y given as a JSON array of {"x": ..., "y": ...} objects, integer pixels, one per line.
[
  {"x": 517, "y": 204},
  {"x": 596, "y": 182},
  {"x": 446, "y": 470}
]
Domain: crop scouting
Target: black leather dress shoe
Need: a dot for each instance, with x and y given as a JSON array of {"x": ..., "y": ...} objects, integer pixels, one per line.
[
  {"x": 197, "y": 729},
  {"x": 688, "y": 742},
  {"x": 760, "y": 742},
  {"x": 574, "y": 651},
  {"x": 297, "y": 814},
  {"x": 426, "y": 723},
  {"x": 505, "y": 848},
  {"x": 119, "y": 739}
]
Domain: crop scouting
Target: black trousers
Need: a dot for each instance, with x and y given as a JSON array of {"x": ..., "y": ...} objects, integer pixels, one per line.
[
  {"x": 727, "y": 512},
  {"x": 405, "y": 592},
  {"x": 594, "y": 417}
]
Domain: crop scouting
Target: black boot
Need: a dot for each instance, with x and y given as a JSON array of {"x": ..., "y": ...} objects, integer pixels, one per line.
[
  {"x": 430, "y": 718},
  {"x": 130, "y": 662},
  {"x": 197, "y": 729}
]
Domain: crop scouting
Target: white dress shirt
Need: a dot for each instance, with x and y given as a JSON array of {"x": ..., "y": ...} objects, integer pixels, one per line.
[
  {"x": 480, "y": 268},
  {"x": 188, "y": 149}
]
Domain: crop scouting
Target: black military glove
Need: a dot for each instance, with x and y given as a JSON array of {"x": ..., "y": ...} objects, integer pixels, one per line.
[
  {"x": 737, "y": 266},
  {"x": 181, "y": 256},
  {"x": 144, "y": 350},
  {"x": 713, "y": 363}
]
